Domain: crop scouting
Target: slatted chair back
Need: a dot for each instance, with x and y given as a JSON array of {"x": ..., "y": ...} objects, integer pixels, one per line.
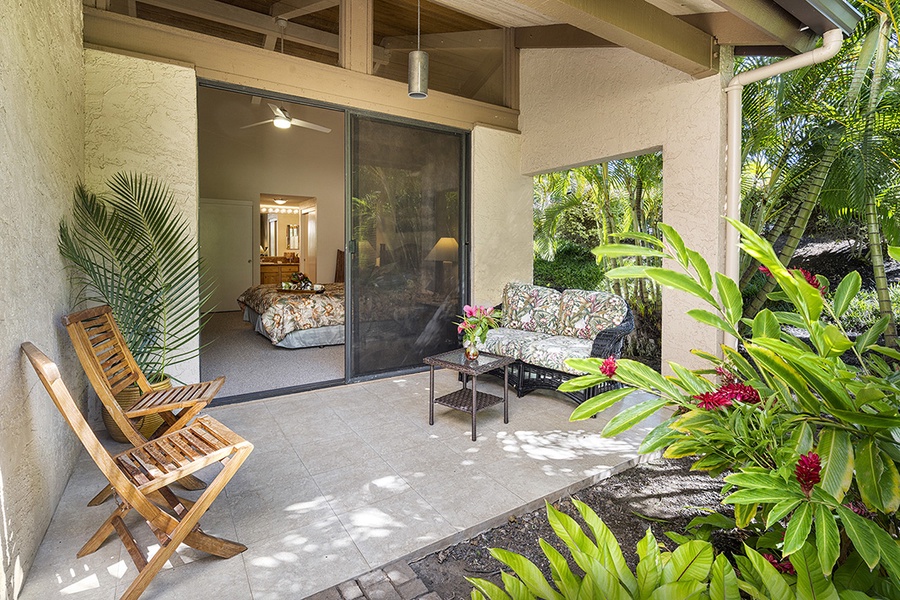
[
  {"x": 49, "y": 375},
  {"x": 99, "y": 342}
]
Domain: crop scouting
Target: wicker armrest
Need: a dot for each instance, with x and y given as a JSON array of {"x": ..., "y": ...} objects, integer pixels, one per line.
[{"x": 609, "y": 341}]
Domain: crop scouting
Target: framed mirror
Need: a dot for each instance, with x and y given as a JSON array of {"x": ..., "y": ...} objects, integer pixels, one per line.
[{"x": 293, "y": 237}]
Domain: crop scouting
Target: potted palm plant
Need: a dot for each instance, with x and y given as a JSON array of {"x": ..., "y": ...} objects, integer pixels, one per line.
[{"x": 131, "y": 249}]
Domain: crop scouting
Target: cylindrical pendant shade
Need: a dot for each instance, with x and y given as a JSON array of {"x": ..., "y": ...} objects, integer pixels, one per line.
[{"x": 418, "y": 74}]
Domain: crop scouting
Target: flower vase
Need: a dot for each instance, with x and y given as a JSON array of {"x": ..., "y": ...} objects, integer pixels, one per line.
[{"x": 471, "y": 351}]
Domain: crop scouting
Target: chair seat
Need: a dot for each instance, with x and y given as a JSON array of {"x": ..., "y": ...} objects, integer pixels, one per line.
[
  {"x": 167, "y": 459},
  {"x": 552, "y": 352},
  {"x": 509, "y": 342},
  {"x": 175, "y": 398}
]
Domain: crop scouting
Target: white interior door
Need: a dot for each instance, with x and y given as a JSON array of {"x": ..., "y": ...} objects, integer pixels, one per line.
[{"x": 226, "y": 247}]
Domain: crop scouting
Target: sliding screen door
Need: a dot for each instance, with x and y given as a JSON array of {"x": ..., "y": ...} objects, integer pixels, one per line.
[{"x": 407, "y": 243}]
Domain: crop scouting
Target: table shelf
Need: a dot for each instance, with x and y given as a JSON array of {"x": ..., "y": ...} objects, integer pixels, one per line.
[{"x": 462, "y": 400}]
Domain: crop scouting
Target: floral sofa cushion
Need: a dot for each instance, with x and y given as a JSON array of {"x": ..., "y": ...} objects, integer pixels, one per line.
[
  {"x": 585, "y": 314},
  {"x": 551, "y": 352},
  {"x": 531, "y": 308},
  {"x": 509, "y": 342}
]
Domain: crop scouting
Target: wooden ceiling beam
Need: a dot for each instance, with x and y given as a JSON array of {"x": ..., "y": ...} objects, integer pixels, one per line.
[
  {"x": 772, "y": 20},
  {"x": 641, "y": 27},
  {"x": 458, "y": 40},
  {"x": 253, "y": 21},
  {"x": 480, "y": 76},
  {"x": 730, "y": 30},
  {"x": 299, "y": 8},
  {"x": 558, "y": 36}
]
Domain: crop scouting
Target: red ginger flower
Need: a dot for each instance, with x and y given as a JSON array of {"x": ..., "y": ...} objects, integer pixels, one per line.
[
  {"x": 807, "y": 471},
  {"x": 783, "y": 566},
  {"x": 712, "y": 401},
  {"x": 608, "y": 367},
  {"x": 726, "y": 375},
  {"x": 739, "y": 391},
  {"x": 809, "y": 277}
]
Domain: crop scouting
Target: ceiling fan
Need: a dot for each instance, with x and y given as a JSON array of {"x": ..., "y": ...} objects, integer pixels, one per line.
[{"x": 283, "y": 120}]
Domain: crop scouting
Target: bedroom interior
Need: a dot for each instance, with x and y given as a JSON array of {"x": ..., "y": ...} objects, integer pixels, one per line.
[
  {"x": 272, "y": 215},
  {"x": 272, "y": 207}
]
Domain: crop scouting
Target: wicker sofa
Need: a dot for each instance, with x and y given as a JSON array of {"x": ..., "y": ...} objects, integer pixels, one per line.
[{"x": 542, "y": 327}]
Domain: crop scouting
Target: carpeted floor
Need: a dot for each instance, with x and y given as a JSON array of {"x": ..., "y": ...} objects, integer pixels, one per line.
[{"x": 251, "y": 363}]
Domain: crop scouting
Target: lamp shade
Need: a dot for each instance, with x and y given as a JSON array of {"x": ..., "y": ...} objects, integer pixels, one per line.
[
  {"x": 418, "y": 74},
  {"x": 445, "y": 250}
]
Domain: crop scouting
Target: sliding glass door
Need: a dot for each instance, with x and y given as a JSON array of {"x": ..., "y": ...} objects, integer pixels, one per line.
[{"x": 407, "y": 243}]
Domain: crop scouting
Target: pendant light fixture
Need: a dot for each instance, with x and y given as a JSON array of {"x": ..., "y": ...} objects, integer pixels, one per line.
[{"x": 418, "y": 62}]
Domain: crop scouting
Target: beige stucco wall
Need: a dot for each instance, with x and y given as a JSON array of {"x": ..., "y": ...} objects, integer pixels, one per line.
[
  {"x": 502, "y": 240},
  {"x": 583, "y": 106},
  {"x": 141, "y": 116},
  {"x": 40, "y": 161}
]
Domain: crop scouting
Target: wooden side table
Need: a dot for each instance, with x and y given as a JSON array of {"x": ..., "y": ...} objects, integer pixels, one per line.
[{"x": 464, "y": 399}]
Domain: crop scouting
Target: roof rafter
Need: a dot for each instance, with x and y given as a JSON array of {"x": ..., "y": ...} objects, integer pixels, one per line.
[
  {"x": 299, "y": 8},
  {"x": 641, "y": 27},
  {"x": 253, "y": 21},
  {"x": 774, "y": 21}
]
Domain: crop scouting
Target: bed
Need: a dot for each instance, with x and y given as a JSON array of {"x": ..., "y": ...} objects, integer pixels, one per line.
[{"x": 296, "y": 320}]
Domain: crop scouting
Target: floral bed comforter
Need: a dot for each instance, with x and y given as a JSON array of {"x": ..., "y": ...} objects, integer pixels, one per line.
[{"x": 283, "y": 312}]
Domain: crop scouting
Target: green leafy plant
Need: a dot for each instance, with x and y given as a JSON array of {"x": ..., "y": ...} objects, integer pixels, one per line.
[
  {"x": 692, "y": 570},
  {"x": 805, "y": 434},
  {"x": 131, "y": 249}
]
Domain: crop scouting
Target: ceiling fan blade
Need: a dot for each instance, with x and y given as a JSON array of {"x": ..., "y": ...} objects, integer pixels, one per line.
[
  {"x": 308, "y": 125},
  {"x": 260, "y": 123},
  {"x": 278, "y": 111}
]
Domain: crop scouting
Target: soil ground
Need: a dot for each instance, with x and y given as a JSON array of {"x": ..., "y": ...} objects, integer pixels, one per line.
[{"x": 663, "y": 495}]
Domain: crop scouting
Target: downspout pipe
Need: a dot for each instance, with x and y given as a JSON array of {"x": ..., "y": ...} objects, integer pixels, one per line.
[{"x": 831, "y": 44}]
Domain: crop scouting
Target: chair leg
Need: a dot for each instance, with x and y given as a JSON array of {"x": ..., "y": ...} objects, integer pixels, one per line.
[
  {"x": 105, "y": 530},
  {"x": 183, "y": 528},
  {"x": 102, "y": 496}
]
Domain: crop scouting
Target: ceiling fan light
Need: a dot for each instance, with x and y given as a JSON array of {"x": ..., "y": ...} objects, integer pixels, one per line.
[{"x": 281, "y": 122}]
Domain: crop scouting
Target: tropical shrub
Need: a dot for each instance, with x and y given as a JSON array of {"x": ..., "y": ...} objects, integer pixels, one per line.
[
  {"x": 810, "y": 440},
  {"x": 572, "y": 267},
  {"x": 692, "y": 570}
]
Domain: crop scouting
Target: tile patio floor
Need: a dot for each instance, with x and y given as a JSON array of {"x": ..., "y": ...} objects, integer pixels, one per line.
[{"x": 343, "y": 481}]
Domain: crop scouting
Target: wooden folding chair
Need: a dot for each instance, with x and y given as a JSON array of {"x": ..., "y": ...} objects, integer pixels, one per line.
[
  {"x": 111, "y": 367},
  {"x": 148, "y": 468}
]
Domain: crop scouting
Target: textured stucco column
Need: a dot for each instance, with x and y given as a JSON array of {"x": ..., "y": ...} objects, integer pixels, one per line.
[
  {"x": 41, "y": 146},
  {"x": 502, "y": 221},
  {"x": 141, "y": 116},
  {"x": 584, "y": 106}
]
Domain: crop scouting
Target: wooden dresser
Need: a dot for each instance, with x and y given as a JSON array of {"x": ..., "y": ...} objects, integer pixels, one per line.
[{"x": 277, "y": 272}]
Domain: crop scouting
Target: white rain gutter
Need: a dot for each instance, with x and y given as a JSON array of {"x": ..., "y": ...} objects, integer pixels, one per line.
[{"x": 831, "y": 43}]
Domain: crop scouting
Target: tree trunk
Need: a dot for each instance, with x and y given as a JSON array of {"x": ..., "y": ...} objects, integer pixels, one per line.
[
  {"x": 811, "y": 197},
  {"x": 639, "y": 226},
  {"x": 873, "y": 227}
]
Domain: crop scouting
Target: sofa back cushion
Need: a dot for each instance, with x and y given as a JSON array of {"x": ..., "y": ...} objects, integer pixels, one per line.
[
  {"x": 531, "y": 308},
  {"x": 585, "y": 314}
]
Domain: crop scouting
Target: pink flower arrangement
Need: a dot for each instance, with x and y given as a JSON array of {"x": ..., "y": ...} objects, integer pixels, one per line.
[
  {"x": 475, "y": 323},
  {"x": 808, "y": 471}
]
